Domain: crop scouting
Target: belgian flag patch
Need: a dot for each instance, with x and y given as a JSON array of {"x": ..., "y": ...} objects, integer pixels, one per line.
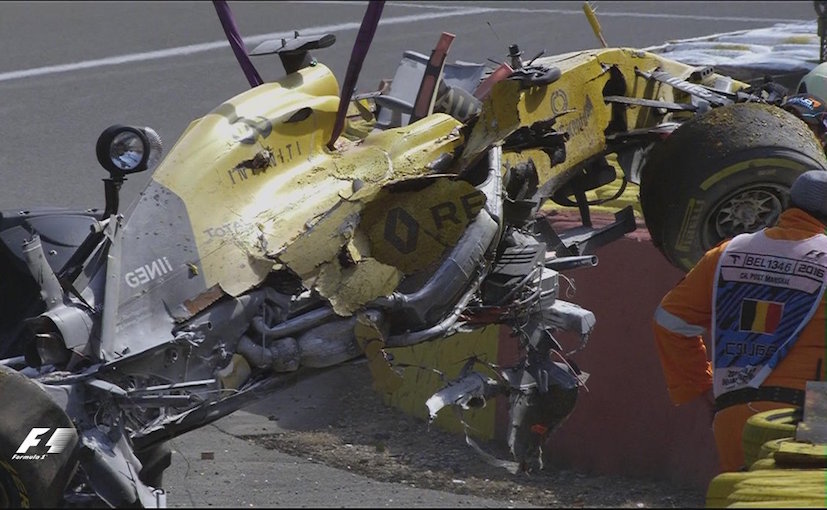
[{"x": 760, "y": 316}]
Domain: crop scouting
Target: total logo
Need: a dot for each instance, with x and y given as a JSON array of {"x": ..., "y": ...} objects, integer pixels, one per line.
[{"x": 56, "y": 443}]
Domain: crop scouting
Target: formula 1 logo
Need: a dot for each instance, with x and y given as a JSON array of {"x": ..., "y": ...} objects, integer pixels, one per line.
[{"x": 57, "y": 442}]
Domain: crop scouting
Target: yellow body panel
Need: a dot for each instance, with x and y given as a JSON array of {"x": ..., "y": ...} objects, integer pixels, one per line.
[
  {"x": 575, "y": 100},
  {"x": 448, "y": 355},
  {"x": 261, "y": 187}
]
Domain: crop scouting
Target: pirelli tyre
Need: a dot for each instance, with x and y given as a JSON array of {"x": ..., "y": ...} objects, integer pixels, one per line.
[
  {"x": 154, "y": 461},
  {"x": 35, "y": 465},
  {"x": 767, "y": 426},
  {"x": 723, "y": 173}
]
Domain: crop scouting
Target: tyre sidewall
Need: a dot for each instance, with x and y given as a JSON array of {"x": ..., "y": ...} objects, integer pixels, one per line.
[
  {"x": 765, "y": 168},
  {"x": 13, "y": 491},
  {"x": 40, "y": 482},
  {"x": 711, "y": 156}
]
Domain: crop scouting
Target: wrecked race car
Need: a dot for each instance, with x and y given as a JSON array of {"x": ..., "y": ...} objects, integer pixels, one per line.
[
  {"x": 275, "y": 240},
  {"x": 256, "y": 255},
  {"x": 712, "y": 156}
]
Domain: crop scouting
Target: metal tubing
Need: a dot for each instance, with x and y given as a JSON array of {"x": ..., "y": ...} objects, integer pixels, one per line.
[
  {"x": 449, "y": 280},
  {"x": 564, "y": 263},
  {"x": 50, "y": 289},
  {"x": 294, "y": 325}
]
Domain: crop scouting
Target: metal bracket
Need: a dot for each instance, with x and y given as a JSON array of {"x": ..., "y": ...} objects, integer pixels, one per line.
[
  {"x": 650, "y": 103},
  {"x": 692, "y": 89},
  {"x": 586, "y": 239}
]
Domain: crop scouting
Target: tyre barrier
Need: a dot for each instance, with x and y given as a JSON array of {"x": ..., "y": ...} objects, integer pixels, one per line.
[
  {"x": 783, "y": 473},
  {"x": 767, "y": 450},
  {"x": 767, "y": 426},
  {"x": 766, "y": 463}
]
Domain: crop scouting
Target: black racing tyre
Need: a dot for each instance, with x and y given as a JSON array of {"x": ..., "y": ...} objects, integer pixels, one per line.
[
  {"x": 28, "y": 482},
  {"x": 723, "y": 173},
  {"x": 154, "y": 461}
]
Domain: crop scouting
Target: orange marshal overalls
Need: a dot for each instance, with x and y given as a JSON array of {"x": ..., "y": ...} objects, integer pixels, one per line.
[{"x": 683, "y": 354}]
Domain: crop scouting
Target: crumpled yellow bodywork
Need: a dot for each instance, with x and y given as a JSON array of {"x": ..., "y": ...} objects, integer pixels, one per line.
[
  {"x": 262, "y": 191},
  {"x": 575, "y": 100}
]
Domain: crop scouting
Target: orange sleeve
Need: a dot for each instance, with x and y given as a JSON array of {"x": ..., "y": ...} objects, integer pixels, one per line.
[{"x": 684, "y": 360}]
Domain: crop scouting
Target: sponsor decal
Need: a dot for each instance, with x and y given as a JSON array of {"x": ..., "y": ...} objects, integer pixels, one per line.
[
  {"x": 738, "y": 376},
  {"x": 36, "y": 447},
  {"x": 749, "y": 349},
  {"x": 148, "y": 272},
  {"x": 814, "y": 256},
  {"x": 402, "y": 229},
  {"x": 559, "y": 102},
  {"x": 228, "y": 229},
  {"x": 579, "y": 123},
  {"x": 261, "y": 162}
]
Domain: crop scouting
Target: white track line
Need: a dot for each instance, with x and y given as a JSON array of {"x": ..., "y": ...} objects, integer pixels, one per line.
[
  {"x": 569, "y": 12},
  {"x": 442, "y": 11},
  {"x": 200, "y": 48}
]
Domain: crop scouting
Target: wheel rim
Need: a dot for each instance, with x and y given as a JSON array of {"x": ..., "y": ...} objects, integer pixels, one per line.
[{"x": 747, "y": 210}]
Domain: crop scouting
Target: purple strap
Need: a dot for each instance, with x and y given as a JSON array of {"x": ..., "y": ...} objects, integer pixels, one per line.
[
  {"x": 357, "y": 57},
  {"x": 225, "y": 15}
]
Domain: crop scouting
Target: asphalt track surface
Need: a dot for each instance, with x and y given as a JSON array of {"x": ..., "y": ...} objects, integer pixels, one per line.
[{"x": 70, "y": 69}]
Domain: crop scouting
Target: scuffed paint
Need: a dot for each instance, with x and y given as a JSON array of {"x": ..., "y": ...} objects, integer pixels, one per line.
[
  {"x": 575, "y": 102},
  {"x": 499, "y": 118},
  {"x": 361, "y": 249},
  {"x": 262, "y": 191},
  {"x": 322, "y": 241},
  {"x": 200, "y": 302},
  {"x": 258, "y": 164},
  {"x": 347, "y": 288},
  {"x": 448, "y": 357},
  {"x": 371, "y": 340},
  {"x": 340, "y": 254}
]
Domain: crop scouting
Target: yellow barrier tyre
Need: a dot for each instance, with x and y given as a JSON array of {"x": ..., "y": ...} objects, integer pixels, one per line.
[
  {"x": 763, "y": 464},
  {"x": 25, "y": 481},
  {"x": 722, "y": 173},
  {"x": 770, "y": 447},
  {"x": 767, "y": 426},
  {"x": 792, "y": 454},
  {"x": 769, "y": 484},
  {"x": 787, "y": 503},
  {"x": 777, "y": 494},
  {"x": 721, "y": 487}
]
